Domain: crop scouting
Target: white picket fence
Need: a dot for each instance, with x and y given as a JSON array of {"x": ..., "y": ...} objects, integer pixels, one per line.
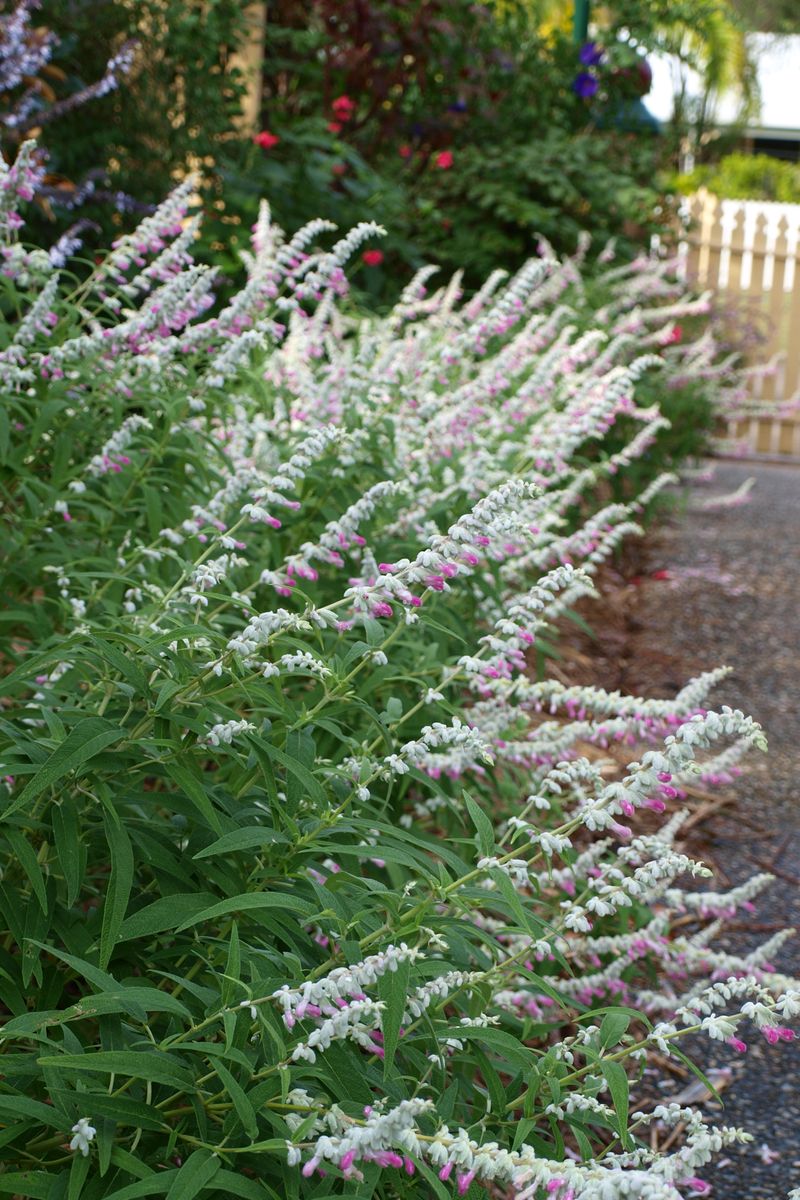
[{"x": 748, "y": 252}]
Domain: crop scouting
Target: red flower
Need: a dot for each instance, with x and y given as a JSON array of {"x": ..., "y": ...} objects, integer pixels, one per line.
[
  {"x": 676, "y": 335},
  {"x": 338, "y": 169},
  {"x": 444, "y": 160},
  {"x": 343, "y": 108},
  {"x": 372, "y": 258},
  {"x": 266, "y": 140},
  {"x": 661, "y": 575},
  {"x": 334, "y": 127},
  {"x": 405, "y": 151}
]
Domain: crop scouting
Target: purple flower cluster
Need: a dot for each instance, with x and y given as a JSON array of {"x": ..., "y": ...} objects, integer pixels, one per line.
[{"x": 586, "y": 84}]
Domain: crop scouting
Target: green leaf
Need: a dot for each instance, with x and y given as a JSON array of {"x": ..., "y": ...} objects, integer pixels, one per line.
[
  {"x": 136, "y": 1001},
  {"x": 84, "y": 969},
  {"x": 163, "y": 914},
  {"x": 513, "y": 899},
  {"x": 247, "y": 838},
  {"x": 612, "y": 1028},
  {"x": 71, "y": 854},
  {"x": 617, "y": 1081},
  {"x": 194, "y": 790},
  {"x": 79, "y": 1169},
  {"x": 35, "y": 1184},
  {"x": 393, "y": 991},
  {"x": 146, "y": 1064},
  {"x": 150, "y": 1185},
  {"x": 244, "y": 1109},
  {"x": 124, "y": 663},
  {"x": 307, "y": 782},
  {"x": 233, "y": 967},
  {"x": 482, "y": 824},
  {"x": 693, "y": 1067},
  {"x": 498, "y": 1040},
  {"x": 433, "y": 1181},
  {"x": 170, "y": 687},
  {"x": 24, "y": 1106},
  {"x": 196, "y": 1173},
  {"x": 133, "y": 1165},
  {"x": 250, "y": 902},
  {"x": 119, "y": 886},
  {"x": 235, "y": 1184},
  {"x": 121, "y": 1109},
  {"x": 337, "y": 1065},
  {"x": 87, "y": 738},
  {"x": 494, "y": 1086},
  {"x": 27, "y": 860}
]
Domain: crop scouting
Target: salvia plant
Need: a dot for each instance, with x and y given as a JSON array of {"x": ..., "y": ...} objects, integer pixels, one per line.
[{"x": 314, "y": 883}]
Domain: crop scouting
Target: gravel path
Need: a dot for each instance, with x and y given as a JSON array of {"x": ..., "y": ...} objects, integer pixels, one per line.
[{"x": 732, "y": 595}]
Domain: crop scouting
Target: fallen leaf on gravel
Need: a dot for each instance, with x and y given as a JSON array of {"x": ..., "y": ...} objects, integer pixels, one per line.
[{"x": 696, "y": 1091}]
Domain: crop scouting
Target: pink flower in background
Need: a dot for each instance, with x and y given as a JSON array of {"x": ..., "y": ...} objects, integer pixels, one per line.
[
  {"x": 444, "y": 160},
  {"x": 343, "y": 108},
  {"x": 372, "y": 258},
  {"x": 266, "y": 140},
  {"x": 334, "y": 127},
  {"x": 405, "y": 151}
]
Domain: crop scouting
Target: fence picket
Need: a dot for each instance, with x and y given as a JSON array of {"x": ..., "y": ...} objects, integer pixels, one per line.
[{"x": 749, "y": 253}]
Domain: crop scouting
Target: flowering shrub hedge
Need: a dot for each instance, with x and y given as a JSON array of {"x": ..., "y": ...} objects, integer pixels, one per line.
[{"x": 305, "y": 870}]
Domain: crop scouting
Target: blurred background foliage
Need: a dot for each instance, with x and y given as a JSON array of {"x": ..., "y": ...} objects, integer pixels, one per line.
[
  {"x": 746, "y": 177},
  {"x": 467, "y": 128}
]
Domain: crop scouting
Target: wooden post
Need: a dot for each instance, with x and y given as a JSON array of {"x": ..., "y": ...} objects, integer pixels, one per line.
[{"x": 249, "y": 59}]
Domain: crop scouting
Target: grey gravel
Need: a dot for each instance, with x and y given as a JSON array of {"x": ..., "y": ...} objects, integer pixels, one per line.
[{"x": 732, "y": 596}]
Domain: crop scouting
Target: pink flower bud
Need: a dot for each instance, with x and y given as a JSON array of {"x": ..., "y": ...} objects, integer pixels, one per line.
[{"x": 656, "y": 805}]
